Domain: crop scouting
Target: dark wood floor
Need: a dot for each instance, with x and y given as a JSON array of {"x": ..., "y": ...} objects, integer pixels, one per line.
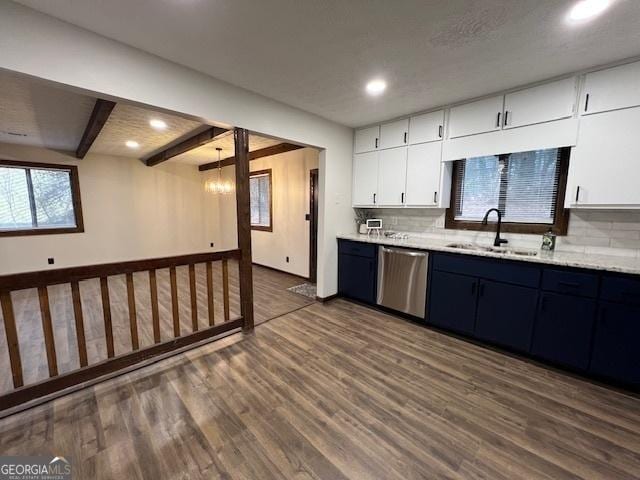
[
  {"x": 336, "y": 391},
  {"x": 270, "y": 293}
]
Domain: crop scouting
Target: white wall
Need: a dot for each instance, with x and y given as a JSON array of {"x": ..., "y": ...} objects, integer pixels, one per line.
[
  {"x": 290, "y": 235},
  {"x": 41, "y": 46},
  {"x": 130, "y": 212}
]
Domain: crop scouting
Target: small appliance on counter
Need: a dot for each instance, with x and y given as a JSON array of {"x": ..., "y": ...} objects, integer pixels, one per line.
[
  {"x": 549, "y": 241},
  {"x": 374, "y": 225}
]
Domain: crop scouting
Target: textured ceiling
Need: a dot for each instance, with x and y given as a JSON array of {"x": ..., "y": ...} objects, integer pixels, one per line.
[
  {"x": 317, "y": 55},
  {"x": 207, "y": 153},
  {"x": 38, "y": 114},
  {"x": 127, "y": 122}
]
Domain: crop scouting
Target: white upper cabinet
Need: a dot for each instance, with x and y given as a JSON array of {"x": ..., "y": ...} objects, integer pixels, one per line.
[
  {"x": 424, "y": 175},
  {"x": 392, "y": 175},
  {"x": 605, "y": 165},
  {"x": 611, "y": 89},
  {"x": 365, "y": 179},
  {"x": 394, "y": 134},
  {"x": 477, "y": 117},
  {"x": 544, "y": 103},
  {"x": 428, "y": 127},
  {"x": 366, "y": 139}
]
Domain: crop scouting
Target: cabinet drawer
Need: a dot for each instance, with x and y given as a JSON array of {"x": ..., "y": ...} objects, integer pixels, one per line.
[
  {"x": 621, "y": 289},
  {"x": 348, "y": 247},
  {"x": 490, "y": 269},
  {"x": 574, "y": 283}
]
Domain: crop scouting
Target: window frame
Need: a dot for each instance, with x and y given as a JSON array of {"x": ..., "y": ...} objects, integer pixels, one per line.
[
  {"x": 560, "y": 216},
  {"x": 75, "y": 199},
  {"x": 268, "y": 173}
]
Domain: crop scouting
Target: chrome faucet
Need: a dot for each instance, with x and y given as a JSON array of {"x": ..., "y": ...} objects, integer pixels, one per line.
[{"x": 498, "y": 241}]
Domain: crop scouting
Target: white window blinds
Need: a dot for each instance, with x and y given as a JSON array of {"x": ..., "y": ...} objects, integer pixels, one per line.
[
  {"x": 260, "y": 188},
  {"x": 523, "y": 186}
]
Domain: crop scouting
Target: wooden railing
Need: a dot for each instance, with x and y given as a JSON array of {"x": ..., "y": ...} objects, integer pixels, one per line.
[{"x": 22, "y": 393}]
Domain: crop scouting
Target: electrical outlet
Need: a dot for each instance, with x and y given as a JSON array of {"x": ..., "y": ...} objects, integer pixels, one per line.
[
  {"x": 211, "y": 244},
  {"x": 51, "y": 260},
  {"x": 287, "y": 259}
]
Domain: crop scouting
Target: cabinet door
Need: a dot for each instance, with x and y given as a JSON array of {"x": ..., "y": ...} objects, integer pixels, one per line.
[
  {"x": 392, "y": 176},
  {"x": 423, "y": 174},
  {"x": 564, "y": 329},
  {"x": 357, "y": 277},
  {"x": 544, "y": 103},
  {"x": 365, "y": 178},
  {"x": 452, "y": 301},
  {"x": 506, "y": 314},
  {"x": 605, "y": 165},
  {"x": 394, "y": 134},
  {"x": 428, "y": 127},
  {"x": 476, "y": 117},
  {"x": 366, "y": 140},
  {"x": 615, "y": 347},
  {"x": 611, "y": 89}
]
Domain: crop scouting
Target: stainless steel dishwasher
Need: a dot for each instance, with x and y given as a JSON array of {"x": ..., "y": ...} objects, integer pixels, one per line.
[{"x": 402, "y": 280}]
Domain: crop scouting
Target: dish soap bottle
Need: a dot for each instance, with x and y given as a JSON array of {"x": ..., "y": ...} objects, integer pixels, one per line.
[{"x": 549, "y": 241}]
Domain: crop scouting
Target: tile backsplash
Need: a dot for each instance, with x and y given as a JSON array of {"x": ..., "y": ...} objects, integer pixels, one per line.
[{"x": 609, "y": 232}]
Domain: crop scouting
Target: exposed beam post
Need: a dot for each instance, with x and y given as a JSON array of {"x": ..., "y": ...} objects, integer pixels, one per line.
[
  {"x": 263, "y": 152},
  {"x": 195, "y": 141},
  {"x": 99, "y": 116},
  {"x": 243, "y": 199}
]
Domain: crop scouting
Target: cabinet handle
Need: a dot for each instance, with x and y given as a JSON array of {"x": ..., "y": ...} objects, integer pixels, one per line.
[
  {"x": 376, "y": 142},
  {"x": 506, "y": 118},
  {"x": 374, "y": 198},
  {"x": 498, "y": 121},
  {"x": 543, "y": 305},
  {"x": 570, "y": 284},
  {"x": 577, "y": 193},
  {"x": 481, "y": 289},
  {"x": 586, "y": 102},
  {"x": 435, "y": 197},
  {"x": 603, "y": 315},
  {"x": 440, "y": 131},
  {"x": 405, "y": 137},
  {"x": 402, "y": 197},
  {"x": 473, "y": 288}
]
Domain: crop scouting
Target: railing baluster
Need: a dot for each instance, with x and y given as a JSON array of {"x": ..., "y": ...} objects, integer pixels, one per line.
[
  {"x": 12, "y": 338},
  {"x": 106, "y": 310},
  {"x": 47, "y": 329},
  {"x": 79, "y": 319},
  {"x": 225, "y": 288},
  {"x": 210, "y": 305},
  {"x": 174, "y": 302},
  {"x": 194, "y": 299},
  {"x": 133, "y": 318},
  {"x": 153, "y": 287}
]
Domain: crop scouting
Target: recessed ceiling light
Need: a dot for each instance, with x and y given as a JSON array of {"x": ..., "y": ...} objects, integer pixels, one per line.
[
  {"x": 376, "y": 87},
  {"x": 132, "y": 144},
  {"x": 158, "y": 124},
  {"x": 587, "y": 9}
]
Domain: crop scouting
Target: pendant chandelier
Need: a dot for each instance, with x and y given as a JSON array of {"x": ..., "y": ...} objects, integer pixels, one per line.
[{"x": 218, "y": 186}]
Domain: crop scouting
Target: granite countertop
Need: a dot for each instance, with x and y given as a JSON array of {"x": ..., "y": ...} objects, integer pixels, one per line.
[{"x": 566, "y": 259}]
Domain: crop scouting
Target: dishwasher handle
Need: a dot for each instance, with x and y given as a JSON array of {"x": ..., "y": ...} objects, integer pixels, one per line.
[{"x": 399, "y": 251}]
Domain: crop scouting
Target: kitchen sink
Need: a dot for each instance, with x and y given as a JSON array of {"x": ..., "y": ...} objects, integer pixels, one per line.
[{"x": 503, "y": 250}]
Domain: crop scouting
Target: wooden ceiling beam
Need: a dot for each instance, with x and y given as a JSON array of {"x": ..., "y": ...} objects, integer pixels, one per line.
[
  {"x": 99, "y": 116},
  {"x": 263, "y": 152},
  {"x": 190, "y": 143}
]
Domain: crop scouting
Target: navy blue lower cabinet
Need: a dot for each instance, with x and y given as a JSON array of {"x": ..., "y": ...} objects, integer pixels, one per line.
[
  {"x": 616, "y": 349},
  {"x": 357, "y": 277},
  {"x": 452, "y": 301},
  {"x": 506, "y": 314},
  {"x": 564, "y": 329}
]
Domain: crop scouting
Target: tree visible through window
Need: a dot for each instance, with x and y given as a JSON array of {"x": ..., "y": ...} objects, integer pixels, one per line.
[
  {"x": 527, "y": 188},
  {"x": 37, "y": 198},
  {"x": 261, "y": 210}
]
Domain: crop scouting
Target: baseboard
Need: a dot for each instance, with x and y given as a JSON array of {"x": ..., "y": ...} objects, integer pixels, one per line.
[
  {"x": 327, "y": 299},
  {"x": 304, "y": 279}
]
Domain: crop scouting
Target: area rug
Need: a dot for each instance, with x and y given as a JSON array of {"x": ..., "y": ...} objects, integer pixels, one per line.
[{"x": 306, "y": 289}]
